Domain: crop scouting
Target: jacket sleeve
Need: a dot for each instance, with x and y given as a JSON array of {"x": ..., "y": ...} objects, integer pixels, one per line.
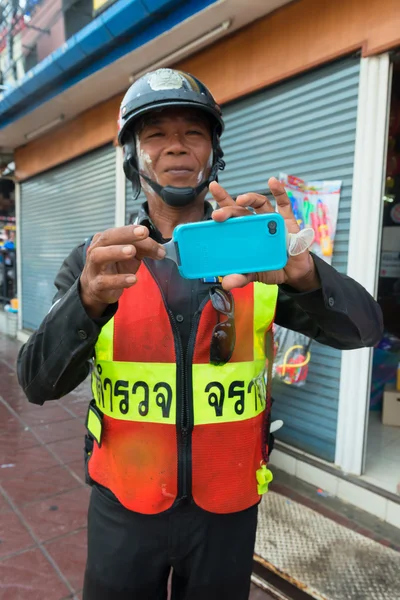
[
  {"x": 341, "y": 313},
  {"x": 55, "y": 359}
]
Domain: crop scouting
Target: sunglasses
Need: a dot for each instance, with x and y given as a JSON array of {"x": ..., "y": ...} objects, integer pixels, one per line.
[{"x": 224, "y": 334}]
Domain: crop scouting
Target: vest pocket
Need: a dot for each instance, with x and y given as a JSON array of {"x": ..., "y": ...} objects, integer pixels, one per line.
[
  {"x": 94, "y": 425},
  {"x": 94, "y": 422}
]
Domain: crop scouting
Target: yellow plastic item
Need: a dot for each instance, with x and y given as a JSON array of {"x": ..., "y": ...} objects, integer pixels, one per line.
[
  {"x": 287, "y": 365},
  {"x": 14, "y": 303},
  {"x": 264, "y": 478}
]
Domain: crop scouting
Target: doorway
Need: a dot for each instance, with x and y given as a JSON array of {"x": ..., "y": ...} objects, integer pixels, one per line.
[{"x": 382, "y": 466}]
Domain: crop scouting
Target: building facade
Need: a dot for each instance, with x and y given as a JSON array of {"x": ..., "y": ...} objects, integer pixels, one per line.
[{"x": 307, "y": 88}]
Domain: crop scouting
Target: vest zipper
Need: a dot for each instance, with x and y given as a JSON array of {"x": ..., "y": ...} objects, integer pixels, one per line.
[
  {"x": 182, "y": 428},
  {"x": 185, "y": 423},
  {"x": 186, "y": 417}
]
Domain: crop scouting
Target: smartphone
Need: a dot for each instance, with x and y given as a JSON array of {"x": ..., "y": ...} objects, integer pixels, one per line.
[{"x": 238, "y": 245}]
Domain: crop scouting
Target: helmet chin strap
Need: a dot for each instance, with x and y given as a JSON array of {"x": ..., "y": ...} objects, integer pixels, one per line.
[
  {"x": 178, "y": 196},
  {"x": 175, "y": 196}
]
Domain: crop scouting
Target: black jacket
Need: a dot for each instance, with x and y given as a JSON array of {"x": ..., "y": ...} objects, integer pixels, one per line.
[{"x": 55, "y": 360}]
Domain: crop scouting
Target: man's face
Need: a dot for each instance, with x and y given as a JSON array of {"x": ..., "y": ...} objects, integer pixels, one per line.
[{"x": 174, "y": 147}]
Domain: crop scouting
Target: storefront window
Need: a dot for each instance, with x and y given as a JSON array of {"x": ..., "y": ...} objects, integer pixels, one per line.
[{"x": 8, "y": 288}]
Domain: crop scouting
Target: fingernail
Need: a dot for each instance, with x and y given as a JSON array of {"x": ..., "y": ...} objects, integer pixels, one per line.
[
  {"x": 127, "y": 249},
  {"x": 131, "y": 279},
  {"x": 161, "y": 253},
  {"x": 140, "y": 230}
]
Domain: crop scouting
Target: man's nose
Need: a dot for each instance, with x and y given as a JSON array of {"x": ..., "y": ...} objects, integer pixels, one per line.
[{"x": 176, "y": 144}]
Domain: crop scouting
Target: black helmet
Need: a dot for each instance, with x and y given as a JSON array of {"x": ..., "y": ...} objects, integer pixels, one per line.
[{"x": 162, "y": 89}]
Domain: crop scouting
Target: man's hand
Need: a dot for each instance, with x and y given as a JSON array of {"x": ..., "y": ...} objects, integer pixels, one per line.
[
  {"x": 300, "y": 272},
  {"x": 112, "y": 260}
]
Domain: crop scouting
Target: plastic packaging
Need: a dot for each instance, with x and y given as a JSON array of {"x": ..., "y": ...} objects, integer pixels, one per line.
[
  {"x": 292, "y": 356},
  {"x": 398, "y": 378}
]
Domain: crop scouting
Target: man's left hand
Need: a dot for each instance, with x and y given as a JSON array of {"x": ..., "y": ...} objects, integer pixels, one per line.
[{"x": 299, "y": 272}]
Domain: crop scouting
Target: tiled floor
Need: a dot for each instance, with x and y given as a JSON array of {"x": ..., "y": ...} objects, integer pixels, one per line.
[
  {"x": 43, "y": 497},
  {"x": 383, "y": 454}
]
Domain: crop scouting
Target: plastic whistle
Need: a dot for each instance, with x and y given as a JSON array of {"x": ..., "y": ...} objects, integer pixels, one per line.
[
  {"x": 325, "y": 241},
  {"x": 327, "y": 220},
  {"x": 323, "y": 229},
  {"x": 307, "y": 211},
  {"x": 315, "y": 226},
  {"x": 264, "y": 478},
  {"x": 296, "y": 210}
]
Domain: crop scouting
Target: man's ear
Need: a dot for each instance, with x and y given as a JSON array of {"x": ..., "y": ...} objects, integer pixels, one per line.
[{"x": 130, "y": 164}]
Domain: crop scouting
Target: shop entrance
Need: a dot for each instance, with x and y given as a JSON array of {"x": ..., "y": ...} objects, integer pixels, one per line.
[{"x": 383, "y": 435}]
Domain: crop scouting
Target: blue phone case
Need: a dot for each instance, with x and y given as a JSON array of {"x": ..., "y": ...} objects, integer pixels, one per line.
[{"x": 239, "y": 245}]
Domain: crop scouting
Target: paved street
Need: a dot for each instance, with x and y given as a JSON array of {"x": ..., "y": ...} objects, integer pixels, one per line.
[{"x": 43, "y": 497}]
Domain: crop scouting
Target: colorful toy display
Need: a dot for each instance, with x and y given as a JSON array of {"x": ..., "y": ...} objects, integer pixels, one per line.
[{"x": 315, "y": 204}]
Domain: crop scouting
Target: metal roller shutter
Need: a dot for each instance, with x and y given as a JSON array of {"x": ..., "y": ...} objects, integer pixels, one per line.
[
  {"x": 304, "y": 127},
  {"x": 59, "y": 209}
]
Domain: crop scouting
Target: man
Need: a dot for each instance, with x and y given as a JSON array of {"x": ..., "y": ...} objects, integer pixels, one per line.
[{"x": 176, "y": 450}]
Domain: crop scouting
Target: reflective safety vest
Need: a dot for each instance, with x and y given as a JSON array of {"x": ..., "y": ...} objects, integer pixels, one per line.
[{"x": 168, "y": 426}]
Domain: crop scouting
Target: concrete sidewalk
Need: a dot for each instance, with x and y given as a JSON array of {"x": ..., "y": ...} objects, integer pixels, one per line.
[{"x": 43, "y": 497}]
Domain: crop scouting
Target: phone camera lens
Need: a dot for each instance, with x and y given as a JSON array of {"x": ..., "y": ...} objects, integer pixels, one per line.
[{"x": 272, "y": 226}]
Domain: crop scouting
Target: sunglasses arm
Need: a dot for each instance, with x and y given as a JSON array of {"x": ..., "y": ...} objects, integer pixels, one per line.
[{"x": 172, "y": 252}]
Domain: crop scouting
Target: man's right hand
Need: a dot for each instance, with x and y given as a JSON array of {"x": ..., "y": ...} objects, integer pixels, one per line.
[{"x": 112, "y": 260}]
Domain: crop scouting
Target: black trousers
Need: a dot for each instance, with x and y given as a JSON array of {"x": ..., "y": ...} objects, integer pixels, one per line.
[{"x": 130, "y": 556}]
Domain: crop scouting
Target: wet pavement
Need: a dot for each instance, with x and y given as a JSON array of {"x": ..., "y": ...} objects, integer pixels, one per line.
[
  {"x": 322, "y": 557},
  {"x": 43, "y": 497}
]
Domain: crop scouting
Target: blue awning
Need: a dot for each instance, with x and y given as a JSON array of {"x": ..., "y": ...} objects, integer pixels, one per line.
[{"x": 121, "y": 29}]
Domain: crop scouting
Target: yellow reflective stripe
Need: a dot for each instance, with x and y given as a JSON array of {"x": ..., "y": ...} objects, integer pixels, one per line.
[
  {"x": 234, "y": 392},
  {"x": 146, "y": 392},
  {"x": 94, "y": 425},
  {"x": 143, "y": 392},
  {"x": 105, "y": 344},
  {"x": 265, "y": 297}
]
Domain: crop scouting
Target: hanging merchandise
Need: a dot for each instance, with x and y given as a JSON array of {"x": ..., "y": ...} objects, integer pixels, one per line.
[
  {"x": 292, "y": 356},
  {"x": 315, "y": 204}
]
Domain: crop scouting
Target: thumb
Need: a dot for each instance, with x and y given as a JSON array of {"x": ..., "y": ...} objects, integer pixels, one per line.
[
  {"x": 220, "y": 195},
  {"x": 229, "y": 282}
]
